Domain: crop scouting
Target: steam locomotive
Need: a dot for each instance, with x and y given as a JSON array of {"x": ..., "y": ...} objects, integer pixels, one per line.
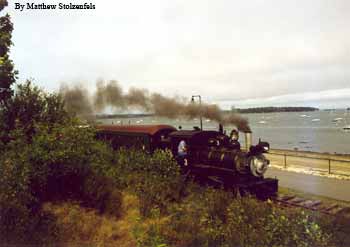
[{"x": 211, "y": 156}]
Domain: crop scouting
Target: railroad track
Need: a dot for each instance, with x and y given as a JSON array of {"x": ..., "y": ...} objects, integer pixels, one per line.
[
  {"x": 293, "y": 201},
  {"x": 333, "y": 209}
]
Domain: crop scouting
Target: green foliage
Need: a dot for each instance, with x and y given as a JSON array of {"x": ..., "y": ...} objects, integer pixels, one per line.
[
  {"x": 337, "y": 227},
  {"x": 253, "y": 223},
  {"x": 60, "y": 163},
  {"x": 205, "y": 217},
  {"x": 100, "y": 192},
  {"x": 46, "y": 156},
  {"x": 21, "y": 221},
  {"x": 7, "y": 73},
  {"x": 14, "y": 196},
  {"x": 215, "y": 218},
  {"x": 149, "y": 234},
  {"x": 155, "y": 178},
  {"x": 31, "y": 106}
]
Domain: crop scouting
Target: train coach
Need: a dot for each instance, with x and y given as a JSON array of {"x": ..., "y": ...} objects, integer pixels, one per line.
[
  {"x": 145, "y": 137},
  {"x": 211, "y": 156}
]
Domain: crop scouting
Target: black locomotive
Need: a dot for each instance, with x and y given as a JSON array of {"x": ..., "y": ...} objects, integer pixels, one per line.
[{"x": 211, "y": 156}]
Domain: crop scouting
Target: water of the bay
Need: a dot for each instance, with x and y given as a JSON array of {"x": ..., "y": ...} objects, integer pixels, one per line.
[{"x": 319, "y": 131}]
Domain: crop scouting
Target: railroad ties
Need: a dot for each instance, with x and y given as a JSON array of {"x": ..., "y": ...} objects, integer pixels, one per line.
[{"x": 314, "y": 205}]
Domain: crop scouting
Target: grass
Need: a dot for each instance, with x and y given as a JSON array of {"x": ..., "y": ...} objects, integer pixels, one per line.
[{"x": 77, "y": 225}]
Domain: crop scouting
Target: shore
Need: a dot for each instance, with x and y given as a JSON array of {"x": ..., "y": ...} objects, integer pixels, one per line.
[
  {"x": 311, "y": 163},
  {"x": 311, "y": 154}
]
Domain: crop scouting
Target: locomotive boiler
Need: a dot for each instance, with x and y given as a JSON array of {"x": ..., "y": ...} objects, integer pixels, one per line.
[{"x": 211, "y": 156}]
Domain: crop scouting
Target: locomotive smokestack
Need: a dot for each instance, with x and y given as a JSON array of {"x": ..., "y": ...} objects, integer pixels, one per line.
[
  {"x": 221, "y": 128},
  {"x": 248, "y": 140}
]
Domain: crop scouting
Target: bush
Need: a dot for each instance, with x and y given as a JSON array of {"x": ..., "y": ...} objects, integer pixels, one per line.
[
  {"x": 254, "y": 223},
  {"x": 99, "y": 192},
  {"x": 155, "y": 178},
  {"x": 149, "y": 233},
  {"x": 27, "y": 108},
  {"x": 21, "y": 221},
  {"x": 61, "y": 163},
  {"x": 214, "y": 218},
  {"x": 62, "y": 158},
  {"x": 45, "y": 156}
]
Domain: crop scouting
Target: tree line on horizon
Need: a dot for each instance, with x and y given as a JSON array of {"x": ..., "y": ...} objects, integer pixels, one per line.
[{"x": 273, "y": 109}]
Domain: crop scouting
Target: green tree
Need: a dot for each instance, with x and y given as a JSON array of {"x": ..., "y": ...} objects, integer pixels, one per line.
[
  {"x": 7, "y": 73},
  {"x": 29, "y": 107}
]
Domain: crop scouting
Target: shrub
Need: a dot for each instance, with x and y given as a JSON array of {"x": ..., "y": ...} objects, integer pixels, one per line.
[
  {"x": 214, "y": 218},
  {"x": 21, "y": 221},
  {"x": 62, "y": 162},
  {"x": 27, "y": 108},
  {"x": 149, "y": 232},
  {"x": 254, "y": 223},
  {"x": 99, "y": 192},
  {"x": 14, "y": 195},
  {"x": 155, "y": 178}
]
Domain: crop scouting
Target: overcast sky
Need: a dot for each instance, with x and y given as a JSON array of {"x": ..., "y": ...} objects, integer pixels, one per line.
[{"x": 245, "y": 53}]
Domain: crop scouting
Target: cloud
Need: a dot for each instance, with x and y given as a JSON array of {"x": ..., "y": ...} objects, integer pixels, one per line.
[
  {"x": 325, "y": 99},
  {"x": 223, "y": 50}
]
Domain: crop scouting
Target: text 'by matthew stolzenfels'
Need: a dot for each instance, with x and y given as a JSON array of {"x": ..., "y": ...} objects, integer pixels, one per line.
[{"x": 61, "y": 6}]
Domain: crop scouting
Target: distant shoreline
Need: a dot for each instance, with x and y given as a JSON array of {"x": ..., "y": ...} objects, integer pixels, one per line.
[
  {"x": 273, "y": 109},
  {"x": 236, "y": 110},
  {"x": 126, "y": 115}
]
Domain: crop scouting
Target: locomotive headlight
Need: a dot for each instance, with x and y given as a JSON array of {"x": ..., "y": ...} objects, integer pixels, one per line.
[{"x": 258, "y": 165}]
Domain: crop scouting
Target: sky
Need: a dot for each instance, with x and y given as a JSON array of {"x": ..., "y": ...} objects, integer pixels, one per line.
[{"x": 241, "y": 53}]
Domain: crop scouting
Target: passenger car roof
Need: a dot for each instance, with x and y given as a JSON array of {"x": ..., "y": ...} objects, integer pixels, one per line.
[
  {"x": 144, "y": 129},
  {"x": 195, "y": 134}
]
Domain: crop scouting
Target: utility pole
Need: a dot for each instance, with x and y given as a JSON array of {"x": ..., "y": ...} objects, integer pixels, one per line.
[{"x": 200, "y": 108}]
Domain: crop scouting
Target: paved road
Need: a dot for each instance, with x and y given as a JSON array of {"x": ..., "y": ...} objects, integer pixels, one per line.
[{"x": 329, "y": 187}]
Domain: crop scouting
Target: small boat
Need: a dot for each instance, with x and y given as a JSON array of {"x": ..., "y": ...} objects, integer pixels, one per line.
[
  {"x": 315, "y": 120},
  {"x": 346, "y": 128},
  {"x": 337, "y": 119},
  {"x": 262, "y": 122}
]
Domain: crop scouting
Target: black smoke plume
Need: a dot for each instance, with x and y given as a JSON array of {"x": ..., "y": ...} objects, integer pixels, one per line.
[
  {"x": 110, "y": 94},
  {"x": 77, "y": 100}
]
